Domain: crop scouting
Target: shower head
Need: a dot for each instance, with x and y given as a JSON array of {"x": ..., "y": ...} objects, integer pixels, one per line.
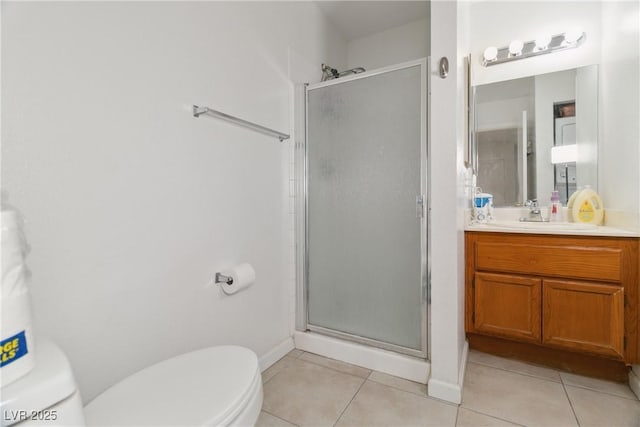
[
  {"x": 329, "y": 73},
  {"x": 356, "y": 70}
]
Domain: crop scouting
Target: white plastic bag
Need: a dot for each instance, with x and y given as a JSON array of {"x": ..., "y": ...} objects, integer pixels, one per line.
[{"x": 16, "y": 335}]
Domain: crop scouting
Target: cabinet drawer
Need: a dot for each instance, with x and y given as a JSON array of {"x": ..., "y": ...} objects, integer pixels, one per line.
[
  {"x": 581, "y": 262},
  {"x": 507, "y": 305},
  {"x": 583, "y": 316}
]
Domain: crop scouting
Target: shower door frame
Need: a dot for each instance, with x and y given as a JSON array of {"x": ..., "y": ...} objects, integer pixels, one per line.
[{"x": 301, "y": 166}]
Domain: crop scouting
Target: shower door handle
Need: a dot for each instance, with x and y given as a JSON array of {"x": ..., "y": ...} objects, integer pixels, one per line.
[{"x": 420, "y": 206}]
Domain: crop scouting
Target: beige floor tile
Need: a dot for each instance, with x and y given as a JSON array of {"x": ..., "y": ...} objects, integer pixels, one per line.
[
  {"x": 468, "y": 418},
  {"x": 617, "y": 389},
  {"x": 347, "y": 368},
  {"x": 400, "y": 383},
  {"x": 515, "y": 397},
  {"x": 268, "y": 420},
  {"x": 295, "y": 353},
  {"x": 599, "y": 409},
  {"x": 272, "y": 370},
  {"x": 513, "y": 365},
  {"x": 304, "y": 393},
  {"x": 377, "y": 404}
]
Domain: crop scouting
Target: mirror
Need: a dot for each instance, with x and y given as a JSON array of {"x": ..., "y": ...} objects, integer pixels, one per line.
[{"x": 536, "y": 134}]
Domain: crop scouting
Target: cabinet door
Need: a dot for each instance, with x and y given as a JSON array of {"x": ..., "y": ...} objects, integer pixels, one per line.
[
  {"x": 584, "y": 316},
  {"x": 507, "y": 305}
]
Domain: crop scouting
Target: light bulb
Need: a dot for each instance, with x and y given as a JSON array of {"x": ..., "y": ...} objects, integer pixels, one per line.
[
  {"x": 490, "y": 53},
  {"x": 542, "y": 42},
  {"x": 515, "y": 47},
  {"x": 572, "y": 36}
]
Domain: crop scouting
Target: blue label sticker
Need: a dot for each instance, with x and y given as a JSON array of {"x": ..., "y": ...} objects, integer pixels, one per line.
[
  {"x": 481, "y": 202},
  {"x": 13, "y": 348}
]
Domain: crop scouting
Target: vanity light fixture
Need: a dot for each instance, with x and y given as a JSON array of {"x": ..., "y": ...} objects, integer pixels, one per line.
[
  {"x": 542, "y": 42},
  {"x": 515, "y": 48},
  {"x": 570, "y": 37},
  {"x": 491, "y": 53},
  {"x": 518, "y": 49}
]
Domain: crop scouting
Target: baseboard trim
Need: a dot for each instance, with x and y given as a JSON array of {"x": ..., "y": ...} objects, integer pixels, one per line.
[
  {"x": 634, "y": 383},
  {"x": 443, "y": 390},
  {"x": 391, "y": 363},
  {"x": 276, "y": 353},
  {"x": 463, "y": 364},
  {"x": 450, "y": 392}
]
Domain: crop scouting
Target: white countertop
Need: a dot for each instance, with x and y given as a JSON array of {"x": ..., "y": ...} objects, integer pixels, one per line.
[
  {"x": 506, "y": 220},
  {"x": 602, "y": 230}
]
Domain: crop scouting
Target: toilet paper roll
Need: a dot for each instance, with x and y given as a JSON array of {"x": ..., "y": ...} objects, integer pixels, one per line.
[{"x": 243, "y": 276}]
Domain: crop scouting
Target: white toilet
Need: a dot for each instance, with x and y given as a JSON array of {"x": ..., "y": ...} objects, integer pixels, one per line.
[{"x": 215, "y": 386}]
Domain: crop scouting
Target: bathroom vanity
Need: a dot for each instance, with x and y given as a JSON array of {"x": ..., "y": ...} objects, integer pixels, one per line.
[{"x": 566, "y": 300}]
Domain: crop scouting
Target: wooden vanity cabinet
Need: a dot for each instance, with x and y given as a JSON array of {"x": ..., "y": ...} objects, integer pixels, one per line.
[
  {"x": 584, "y": 316},
  {"x": 553, "y": 293},
  {"x": 507, "y": 305}
]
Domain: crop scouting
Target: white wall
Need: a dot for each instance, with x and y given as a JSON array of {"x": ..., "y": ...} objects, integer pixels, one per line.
[
  {"x": 447, "y": 195},
  {"x": 497, "y": 23},
  {"x": 612, "y": 42},
  {"x": 619, "y": 128},
  {"x": 393, "y": 46},
  {"x": 503, "y": 114},
  {"x": 132, "y": 204}
]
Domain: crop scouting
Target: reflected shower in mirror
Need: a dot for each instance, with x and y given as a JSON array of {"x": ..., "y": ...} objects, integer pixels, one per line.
[{"x": 537, "y": 134}]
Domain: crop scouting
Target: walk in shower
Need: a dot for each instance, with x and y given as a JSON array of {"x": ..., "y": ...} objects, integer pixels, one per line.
[{"x": 361, "y": 217}]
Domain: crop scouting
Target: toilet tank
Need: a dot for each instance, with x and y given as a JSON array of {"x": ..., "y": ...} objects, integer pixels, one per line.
[{"x": 45, "y": 396}]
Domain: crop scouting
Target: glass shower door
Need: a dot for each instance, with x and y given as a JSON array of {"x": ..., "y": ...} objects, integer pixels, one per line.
[{"x": 366, "y": 185}]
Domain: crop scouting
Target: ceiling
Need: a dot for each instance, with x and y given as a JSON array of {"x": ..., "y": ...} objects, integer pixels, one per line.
[{"x": 355, "y": 19}]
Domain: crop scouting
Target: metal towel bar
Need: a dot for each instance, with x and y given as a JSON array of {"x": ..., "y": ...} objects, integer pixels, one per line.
[{"x": 198, "y": 111}]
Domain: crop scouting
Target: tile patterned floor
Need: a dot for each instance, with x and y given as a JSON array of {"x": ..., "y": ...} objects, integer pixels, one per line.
[{"x": 304, "y": 389}]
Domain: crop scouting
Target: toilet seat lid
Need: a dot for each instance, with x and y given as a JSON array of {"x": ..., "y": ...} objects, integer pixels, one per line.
[{"x": 205, "y": 387}]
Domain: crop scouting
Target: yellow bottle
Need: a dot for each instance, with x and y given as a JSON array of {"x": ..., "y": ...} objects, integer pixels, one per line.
[
  {"x": 573, "y": 198},
  {"x": 587, "y": 207}
]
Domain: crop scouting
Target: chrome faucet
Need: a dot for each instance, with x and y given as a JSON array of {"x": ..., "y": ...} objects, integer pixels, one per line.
[{"x": 535, "y": 214}]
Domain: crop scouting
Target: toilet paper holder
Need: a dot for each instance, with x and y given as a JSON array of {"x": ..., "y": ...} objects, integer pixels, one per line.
[{"x": 221, "y": 278}]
